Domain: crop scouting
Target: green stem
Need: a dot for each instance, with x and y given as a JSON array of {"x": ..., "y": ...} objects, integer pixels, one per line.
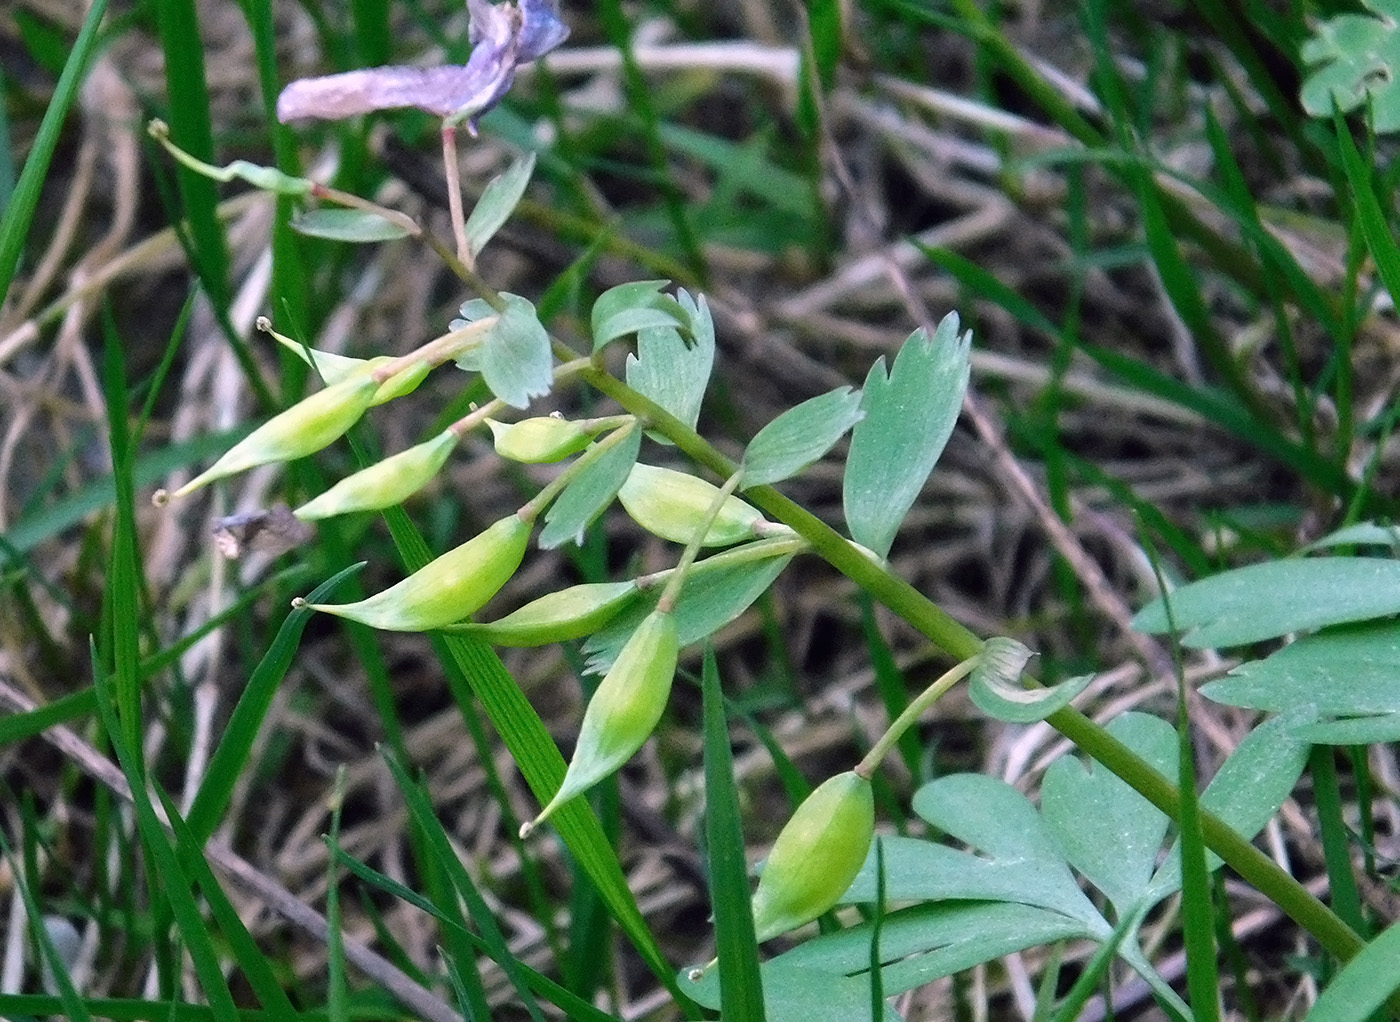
[
  {"x": 672, "y": 592},
  {"x": 867, "y": 766}
]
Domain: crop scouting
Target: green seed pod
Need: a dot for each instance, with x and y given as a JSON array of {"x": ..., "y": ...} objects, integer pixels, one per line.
[
  {"x": 568, "y": 614},
  {"x": 545, "y": 438},
  {"x": 447, "y": 590},
  {"x": 623, "y": 711},
  {"x": 390, "y": 482},
  {"x": 817, "y": 855},
  {"x": 333, "y": 368},
  {"x": 306, "y": 427},
  {"x": 673, "y": 505}
]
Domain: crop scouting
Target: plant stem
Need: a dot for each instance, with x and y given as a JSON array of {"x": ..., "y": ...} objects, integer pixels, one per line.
[{"x": 867, "y": 766}]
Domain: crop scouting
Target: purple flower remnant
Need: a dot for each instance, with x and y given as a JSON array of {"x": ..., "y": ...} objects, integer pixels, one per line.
[{"x": 503, "y": 37}]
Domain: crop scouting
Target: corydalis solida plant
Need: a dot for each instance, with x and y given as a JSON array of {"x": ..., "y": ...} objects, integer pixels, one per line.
[{"x": 503, "y": 37}]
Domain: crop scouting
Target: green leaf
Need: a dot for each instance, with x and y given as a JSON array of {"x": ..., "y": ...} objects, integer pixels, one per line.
[
  {"x": 353, "y": 225},
  {"x": 592, "y": 490},
  {"x": 670, "y": 372},
  {"x": 1360, "y": 534},
  {"x": 1265, "y": 601},
  {"x": 515, "y": 358},
  {"x": 498, "y": 201},
  {"x": 909, "y": 415},
  {"x": 1248, "y": 789},
  {"x": 1017, "y": 858},
  {"x": 1107, "y": 830},
  {"x": 800, "y": 436},
  {"x": 1017, "y": 705},
  {"x": 245, "y": 723},
  {"x": 640, "y": 305},
  {"x": 792, "y": 993},
  {"x": 717, "y": 590},
  {"x": 1353, "y": 58},
  {"x": 741, "y": 988},
  {"x": 1362, "y": 987}
]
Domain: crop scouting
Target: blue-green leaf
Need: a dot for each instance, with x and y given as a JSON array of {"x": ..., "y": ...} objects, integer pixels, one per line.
[
  {"x": 909, "y": 415},
  {"x": 1362, "y": 987},
  {"x": 623, "y": 310},
  {"x": 1264, "y": 601},
  {"x": 498, "y": 201},
  {"x": 514, "y": 359},
  {"x": 1353, "y": 58},
  {"x": 592, "y": 490},
  {"x": 353, "y": 225},
  {"x": 670, "y": 372},
  {"x": 800, "y": 436}
]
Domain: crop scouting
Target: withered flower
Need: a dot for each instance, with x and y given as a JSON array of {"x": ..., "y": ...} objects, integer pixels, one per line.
[{"x": 503, "y": 37}]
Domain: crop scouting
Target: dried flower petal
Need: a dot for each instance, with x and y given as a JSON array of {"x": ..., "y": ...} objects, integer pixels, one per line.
[{"x": 503, "y": 37}]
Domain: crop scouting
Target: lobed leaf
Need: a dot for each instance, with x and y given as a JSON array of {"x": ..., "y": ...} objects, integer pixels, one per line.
[
  {"x": 671, "y": 372},
  {"x": 515, "y": 358},
  {"x": 909, "y": 415},
  {"x": 639, "y": 305}
]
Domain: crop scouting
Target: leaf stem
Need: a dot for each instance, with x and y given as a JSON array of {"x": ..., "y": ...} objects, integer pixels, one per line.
[
  {"x": 867, "y": 766},
  {"x": 672, "y": 592}
]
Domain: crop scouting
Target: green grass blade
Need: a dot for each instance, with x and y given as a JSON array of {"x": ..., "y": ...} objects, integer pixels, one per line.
[
  {"x": 73, "y": 1006},
  {"x": 421, "y": 811},
  {"x": 337, "y": 990},
  {"x": 877, "y": 925},
  {"x": 168, "y": 878},
  {"x": 241, "y": 733},
  {"x": 122, "y": 597},
  {"x": 192, "y": 131},
  {"x": 22, "y": 202},
  {"x": 250, "y": 958},
  {"x": 1336, "y": 838},
  {"x": 1365, "y": 984},
  {"x": 1375, "y": 228},
  {"x": 740, "y": 984},
  {"x": 573, "y": 1006}
]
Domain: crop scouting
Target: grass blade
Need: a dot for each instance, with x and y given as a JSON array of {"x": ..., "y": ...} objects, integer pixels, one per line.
[
  {"x": 740, "y": 984},
  {"x": 19, "y": 210}
]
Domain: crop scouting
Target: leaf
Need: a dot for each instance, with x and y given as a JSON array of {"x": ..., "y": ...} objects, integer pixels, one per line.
[
  {"x": 668, "y": 371},
  {"x": 1360, "y": 534},
  {"x": 1354, "y": 57},
  {"x": 1118, "y": 851},
  {"x": 353, "y": 225},
  {"x": 498, "y": 201},
  {"x": 800, "y": 436},
  {"x": 624, "y": 310},
  {"x": 592, "y": 490},
  {"x": 710, "y": 598},
  {"x": 1248, "y": 789},
  {"x": 909, "y": 415},
  {"x": 1352, "y": 730},
  {"x": 1016, "y": 856},
  {"x": 1362, "y": 987},
  {"x": 514, "y": 359},
  {"x": 1264, "y": 601},
  {"x": 1017, "y": 705},
  {"x": 792, "y": 993}
]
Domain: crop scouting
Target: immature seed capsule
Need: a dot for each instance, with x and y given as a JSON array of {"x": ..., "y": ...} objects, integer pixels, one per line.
[
  {"x": 817, "y": 855},
  {"x": 623, "y": 711},
  {"x": 544, "y": 438},
  {"x": 448, "y": 589},
  {"x": 568, "y": 614},
  {"x": 673, "y": 505},
  {"x": 389, "y": 482},
  {"x": 306, "y": 427}
]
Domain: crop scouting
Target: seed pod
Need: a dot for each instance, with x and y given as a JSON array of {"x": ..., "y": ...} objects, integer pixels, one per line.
[
  {"x": 673, "y": 505},
  {"x": 623, "y": 711},
  {"x": 333, "y": 368},
  {"x": 545, "y": 438},
  {"x": 390, "y": 482},
  {"x": 568, "y": 614},
  {"x": 448, "y": 589},
  {"x": 817, "y": 855},
  {"x": 306, "y": 427}
]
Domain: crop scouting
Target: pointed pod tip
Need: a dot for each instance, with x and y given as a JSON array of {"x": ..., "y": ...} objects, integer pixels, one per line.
[
  {"x": 299, "y": 603},
  {"x": 160, "y": 498}
]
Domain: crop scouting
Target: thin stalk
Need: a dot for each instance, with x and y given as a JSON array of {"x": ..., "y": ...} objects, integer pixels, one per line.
[
  {"x": 454, "y": 195},
  {"x": 867, "y": 766},
  {"x": 672, "y": 592},
  {"x": 438, "y": 350}
]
